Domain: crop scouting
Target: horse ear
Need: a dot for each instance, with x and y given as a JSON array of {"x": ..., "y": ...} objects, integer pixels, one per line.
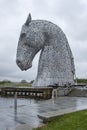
[{"x": 28, "y": 20}]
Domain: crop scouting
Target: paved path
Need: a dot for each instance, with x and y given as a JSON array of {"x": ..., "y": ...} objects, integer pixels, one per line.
[
  {"x": 27, "y": 111},
  {"x": 23, "y": 127},
  {"x": 49, "y": 109}
]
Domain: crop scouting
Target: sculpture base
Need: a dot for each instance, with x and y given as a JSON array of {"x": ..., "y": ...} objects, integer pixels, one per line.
[{"x": 61, "y": 91}]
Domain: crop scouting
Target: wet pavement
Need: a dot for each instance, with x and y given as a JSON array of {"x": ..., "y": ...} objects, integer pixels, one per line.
[{"x": 28, "y": 110}]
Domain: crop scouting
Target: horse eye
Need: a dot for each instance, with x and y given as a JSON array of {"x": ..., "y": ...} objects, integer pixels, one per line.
[{"x": 23, "y": 35}]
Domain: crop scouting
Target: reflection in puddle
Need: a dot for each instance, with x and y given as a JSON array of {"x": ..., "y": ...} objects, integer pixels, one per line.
[
  {"x": 27, "y": 110},
  {"x": 81, "y": 103},
  {"x": 26, "y": 113}
]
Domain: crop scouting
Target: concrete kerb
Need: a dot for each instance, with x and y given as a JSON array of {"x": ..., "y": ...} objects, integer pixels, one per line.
[{"x": 49, "y": 116}]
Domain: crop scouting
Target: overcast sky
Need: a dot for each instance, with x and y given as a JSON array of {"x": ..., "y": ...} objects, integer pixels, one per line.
[{"x": 70, "y": 15}]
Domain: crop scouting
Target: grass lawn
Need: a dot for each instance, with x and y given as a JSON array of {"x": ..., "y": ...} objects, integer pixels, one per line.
[
  {"x": 5, "y": 84},
  {"x": 73, "y": 121}
]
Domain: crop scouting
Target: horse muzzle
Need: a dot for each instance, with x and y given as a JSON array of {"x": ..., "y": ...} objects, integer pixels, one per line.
[{"x": 23, "y": 66}]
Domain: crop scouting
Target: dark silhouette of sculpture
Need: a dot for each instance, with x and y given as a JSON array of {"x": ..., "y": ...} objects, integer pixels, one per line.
[{"x": 56, "y": 64}]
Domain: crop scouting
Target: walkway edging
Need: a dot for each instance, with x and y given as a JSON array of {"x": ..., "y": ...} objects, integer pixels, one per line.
[{"x": 49, "y": 116}]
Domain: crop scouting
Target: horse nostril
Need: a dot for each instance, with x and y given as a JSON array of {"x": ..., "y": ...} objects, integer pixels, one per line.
[{"x": 18, "y": 62}]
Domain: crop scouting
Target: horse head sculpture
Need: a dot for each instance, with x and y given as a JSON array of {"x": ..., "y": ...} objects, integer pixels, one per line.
[{"x": 56, "y": 64}]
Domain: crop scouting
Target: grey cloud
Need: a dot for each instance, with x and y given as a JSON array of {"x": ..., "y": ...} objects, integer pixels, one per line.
[
  {"x": 73, "y": 14},
  {"x": 69, "y": 14}
]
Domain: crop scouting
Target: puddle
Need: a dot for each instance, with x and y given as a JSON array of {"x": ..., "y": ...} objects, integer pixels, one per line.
[{"x": 28, "y": 110}]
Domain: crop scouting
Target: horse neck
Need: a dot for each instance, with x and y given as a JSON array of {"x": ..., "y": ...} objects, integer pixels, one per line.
[
  {"x": 52, "y": 47},
  {"x": 46, "y": 60}
]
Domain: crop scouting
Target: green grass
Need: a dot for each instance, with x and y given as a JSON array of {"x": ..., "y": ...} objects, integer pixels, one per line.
[
  {"x": 11, "y": 84},
  {"x": 73, "y": 121},
  {"x": 23, "y": 84},
  {"x": 81, "y": 80}
]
